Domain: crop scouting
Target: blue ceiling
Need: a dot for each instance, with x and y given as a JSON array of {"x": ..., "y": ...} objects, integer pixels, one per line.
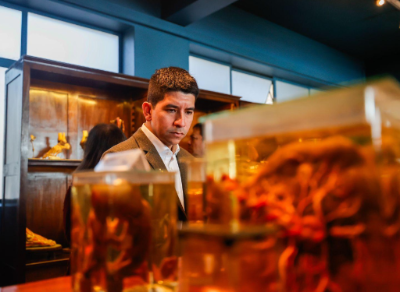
[{"x": 356, "y": 27}]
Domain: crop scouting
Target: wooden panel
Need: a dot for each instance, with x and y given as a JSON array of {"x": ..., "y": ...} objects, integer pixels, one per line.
[
  {"x": 92, "y": 111},
  {"x": 46, "y": 270},
  {"x": 247, "y": 104},
  {"x": 63, "y": 168},
  {"x": 76, "y": 90},
  {"x": 83, "y": 76},
  {"x": 13, "y": 123},
  {"x": 44, "y": 213},
  {"x": 114, "y": 103},
  {"x": 62, "y": 284},
  {"x": 48, "y": 113},
  {"x": 211, "y": 106},
  {"x": 93, "y": 106},
  {"x": 12, "y": 234},
  {"x": 216, "y": 96},
  {"x": 137, "y": 116},
  {"x": 55, "y": 164},
  {"x": 73, "y": 136}
]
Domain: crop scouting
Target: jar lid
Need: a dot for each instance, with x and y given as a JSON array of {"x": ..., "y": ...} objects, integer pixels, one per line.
[{"x": 346, "y": 106}]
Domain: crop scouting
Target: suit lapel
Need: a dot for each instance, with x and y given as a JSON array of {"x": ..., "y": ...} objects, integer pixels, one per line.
[
  {"x": 183, "y": 170},
  {"x": 183, "y": 154},
  {"x": 156, "y": 162},
  {"x": 150, "y": 151}
]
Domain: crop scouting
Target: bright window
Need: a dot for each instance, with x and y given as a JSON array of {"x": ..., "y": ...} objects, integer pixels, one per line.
[
  {"x": 10, "y": 33},
  {"x": 65, "y": 42},
  {"x": 2, "y": 114},
  {"x": 210, "y": 75},
  {"x": 250, "y": 88},
  {"x": 287, "y": 91}
]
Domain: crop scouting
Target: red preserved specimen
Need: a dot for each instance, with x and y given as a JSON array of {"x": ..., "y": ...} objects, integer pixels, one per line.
[
  {"x": 113, "y": 247},
  {"x": 339, "y": 213}
]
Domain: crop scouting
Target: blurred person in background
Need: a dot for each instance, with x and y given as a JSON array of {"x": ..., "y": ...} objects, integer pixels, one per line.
[
  {"x": 196, "y": 145},
  {"x": 101, "y": 138}
]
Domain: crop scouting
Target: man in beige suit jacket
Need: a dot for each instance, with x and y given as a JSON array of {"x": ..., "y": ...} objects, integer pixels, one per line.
[{"x": 169, "y": 113}]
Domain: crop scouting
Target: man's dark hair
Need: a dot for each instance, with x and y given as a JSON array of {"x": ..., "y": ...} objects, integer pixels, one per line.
[
  {"x": 170, "y": 79},
  {"x": 200, "y": 127}
]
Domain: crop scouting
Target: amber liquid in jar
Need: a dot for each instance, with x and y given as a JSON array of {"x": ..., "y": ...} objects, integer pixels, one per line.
[
  {"x": 217, "y": 260},
  {"x": 123, "y": 236},
  {"x": 195, "y": 202},
  {"x": 336, "y": 194}
]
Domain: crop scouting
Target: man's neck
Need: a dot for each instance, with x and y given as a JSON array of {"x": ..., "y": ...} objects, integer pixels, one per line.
[{"x": 173, "y": 148}]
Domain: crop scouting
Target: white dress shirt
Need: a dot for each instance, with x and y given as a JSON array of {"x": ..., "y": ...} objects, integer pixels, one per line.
[{"x": 169, "y": 159}]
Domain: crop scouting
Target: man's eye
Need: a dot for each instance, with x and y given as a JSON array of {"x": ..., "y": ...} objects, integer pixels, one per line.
[
  {"x": 189, "y": 112},
  {"x": 170, "y": 110}
]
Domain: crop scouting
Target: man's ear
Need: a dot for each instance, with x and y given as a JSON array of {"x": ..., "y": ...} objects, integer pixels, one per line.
[{"x": 147, "y": 111}]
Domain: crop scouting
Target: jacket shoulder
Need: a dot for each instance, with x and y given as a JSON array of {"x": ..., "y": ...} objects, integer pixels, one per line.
[{"x": 123, "y": 146}]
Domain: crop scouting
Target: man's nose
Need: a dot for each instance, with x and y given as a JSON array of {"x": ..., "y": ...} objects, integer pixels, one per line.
[{"x": 180, "y": 121}]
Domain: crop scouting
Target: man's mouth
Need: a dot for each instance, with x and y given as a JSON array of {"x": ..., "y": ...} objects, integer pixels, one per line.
[{"x": 177, "y": 134}]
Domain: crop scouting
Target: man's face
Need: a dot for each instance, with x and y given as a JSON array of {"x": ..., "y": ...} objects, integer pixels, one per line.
[
  {"x": 196, "y": 143},
  {"x": 171, "y": 117}
]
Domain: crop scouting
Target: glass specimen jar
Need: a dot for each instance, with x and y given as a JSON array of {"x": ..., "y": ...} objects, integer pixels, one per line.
[
  {"x": 323, "y": 168},
  {"x": 123, "y": 231}
]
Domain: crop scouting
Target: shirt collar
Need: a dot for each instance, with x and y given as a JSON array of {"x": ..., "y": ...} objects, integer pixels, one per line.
[{"x": 161, "y": 148}]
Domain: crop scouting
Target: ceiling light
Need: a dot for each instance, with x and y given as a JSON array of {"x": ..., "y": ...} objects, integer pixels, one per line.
[{"x": 380, "y": 2}]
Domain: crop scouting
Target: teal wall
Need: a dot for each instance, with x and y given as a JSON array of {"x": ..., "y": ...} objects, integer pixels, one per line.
[
  {"x": 155, "y": 49},
  {"x": 241, "y": 38},
  {"x": 252, "y": 37},
  {"x": 235, "y": 32}
]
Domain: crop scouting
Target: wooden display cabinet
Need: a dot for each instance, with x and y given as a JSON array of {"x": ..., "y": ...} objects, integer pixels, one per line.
[{"x": 43, "y": 98}]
